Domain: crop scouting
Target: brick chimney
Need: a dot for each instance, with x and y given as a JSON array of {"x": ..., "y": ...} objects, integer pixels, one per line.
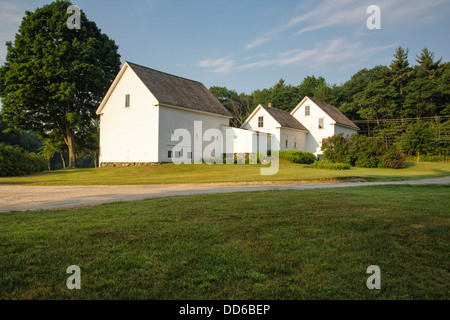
[{"x": 270, "y": 104}]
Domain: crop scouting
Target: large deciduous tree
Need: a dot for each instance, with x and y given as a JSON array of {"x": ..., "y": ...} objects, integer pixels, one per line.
[
  {"x": 54, "y": 77},
  {"x": 369, "y": 96},
  {"x": 283, "y": 96},
  {"x": 237, "y": 104}
]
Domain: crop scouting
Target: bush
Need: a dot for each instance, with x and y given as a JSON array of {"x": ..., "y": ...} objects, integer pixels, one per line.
[
  {"x": 369, "y": 151},
  {"x": 330, "y": 165},
  {"x": 361, "y": 151},
  {"x": 393, "y": 159},
  {"x": 15, "y": 161},
  {"x": 298, "y": 156},
  {"x": 336, "y": 149},
  {"x": 248, "y": 158}
]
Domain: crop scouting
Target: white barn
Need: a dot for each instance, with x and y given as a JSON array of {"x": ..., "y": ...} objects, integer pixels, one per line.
[{"x": 143, "y": 108}]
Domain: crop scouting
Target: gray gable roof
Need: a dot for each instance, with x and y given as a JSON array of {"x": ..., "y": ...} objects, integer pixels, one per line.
[
  {"x": 335, "y": 114},
  {"x": 284, "y": 118},
  {"x": 180, "y": 92}
]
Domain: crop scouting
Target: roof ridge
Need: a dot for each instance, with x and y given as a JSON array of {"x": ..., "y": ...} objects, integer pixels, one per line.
[
  {"x": 315, "y": 100},
  {"x": 283, "y": 114},
  {"x": 169, "y": 74},
  {"x": 177, "y": 91},
  {"x": 344, "y": 121},
  {"x": 264, "y": 106}
]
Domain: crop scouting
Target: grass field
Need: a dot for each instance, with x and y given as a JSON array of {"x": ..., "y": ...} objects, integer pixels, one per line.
[
  {"x": 312, "y": 244},
  {"x": 203, "y": 173}
]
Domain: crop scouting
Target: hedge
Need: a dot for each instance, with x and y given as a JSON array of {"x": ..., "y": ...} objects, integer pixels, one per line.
[
  {"x": 15, "y": 161},
  {"x": 298, "y": 156},
  {"x": 361, "y": 151},
  {"x": 330, "y": 165}
]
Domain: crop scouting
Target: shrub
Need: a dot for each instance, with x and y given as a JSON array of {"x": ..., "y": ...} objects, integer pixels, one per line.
[
  {"x": 323, "y": 164},
  {"x": 249, "y": 158},
  {"x": 370, "y": 150},
  {"x": 361, "y": 151},
  {"x": 298, "y": 156},
  {"x": 15, "y": 161},
  {"x": 336, "y": 149},
  {"x": 393, "y": 159}
]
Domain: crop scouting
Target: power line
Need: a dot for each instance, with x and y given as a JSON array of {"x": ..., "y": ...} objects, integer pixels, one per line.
[{"x": 401, "y": 119}]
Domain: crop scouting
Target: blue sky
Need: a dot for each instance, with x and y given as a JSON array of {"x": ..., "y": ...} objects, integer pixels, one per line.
[{"x": 247, "y": 45}]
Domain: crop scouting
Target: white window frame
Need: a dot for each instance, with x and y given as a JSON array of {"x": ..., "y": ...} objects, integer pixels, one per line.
[{"x": 261, "y": 122}]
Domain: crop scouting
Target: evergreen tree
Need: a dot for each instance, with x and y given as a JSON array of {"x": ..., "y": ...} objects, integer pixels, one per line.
[
  {"x": 423, "y": 96},
  {"x": 444, "y": 89},
  {"x": 398, "y": 75}
]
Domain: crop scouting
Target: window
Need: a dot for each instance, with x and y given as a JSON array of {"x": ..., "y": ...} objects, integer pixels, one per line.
[
  {"x": 169, "y": 153},
  {"x": 287, "y": 141},
  {"x": 295, "y": 142},
  {"x": 189, "y": 155},
  {"x": 260, "y": 122},
  {"x": 127, "y": 101},
  {"x": 307, "y": 110},
  {"x": 320, "y": 123}
]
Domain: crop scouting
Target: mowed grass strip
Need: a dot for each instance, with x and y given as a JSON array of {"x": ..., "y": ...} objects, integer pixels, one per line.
[
  {"x": 312, "y": 244},
  {"x": 204, "y": 173}
]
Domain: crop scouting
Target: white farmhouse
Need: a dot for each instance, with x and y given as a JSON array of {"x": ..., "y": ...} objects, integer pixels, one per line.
[
  {"x": 285, "y": 129},
  {"x": 303, "y": 128},
  {"x": 322, "y": 121},
  {"x": 144, "y": 109}
]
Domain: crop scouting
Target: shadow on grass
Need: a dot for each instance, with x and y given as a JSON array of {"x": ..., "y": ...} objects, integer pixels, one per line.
[
  {"x": 410, "y": 165},
  {"x": 46, "y": 174}
]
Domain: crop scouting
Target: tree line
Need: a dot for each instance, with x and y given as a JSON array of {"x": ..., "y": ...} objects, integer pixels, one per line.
[
  {"x": 397, "y": 91},
  {"x": 384, "y": 101}
]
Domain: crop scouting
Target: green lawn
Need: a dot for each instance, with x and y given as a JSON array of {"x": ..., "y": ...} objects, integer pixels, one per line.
[
  {"x": 203, "y": 173},
  {"x": 312, "y": 244}
]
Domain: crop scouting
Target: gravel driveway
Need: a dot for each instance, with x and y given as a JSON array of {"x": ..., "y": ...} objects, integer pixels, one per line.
[{"x": 22, "y": 198}]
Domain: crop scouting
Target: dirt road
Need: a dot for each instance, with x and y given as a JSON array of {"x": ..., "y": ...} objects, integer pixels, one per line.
[{"x": 22, "y": 198}]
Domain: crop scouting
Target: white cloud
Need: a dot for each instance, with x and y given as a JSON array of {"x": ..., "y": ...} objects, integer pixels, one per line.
[
  {"x": 337, "y": 53},
  {"x": 329, "y": 13},
  {"x": 221, "y": 65},
  {"x": 10, "y": 16},
  {"x": 257, "y": 42}
]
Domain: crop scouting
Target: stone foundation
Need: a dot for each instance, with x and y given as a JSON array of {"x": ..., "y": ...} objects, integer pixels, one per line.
[{"x": 128, "y": 164}]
